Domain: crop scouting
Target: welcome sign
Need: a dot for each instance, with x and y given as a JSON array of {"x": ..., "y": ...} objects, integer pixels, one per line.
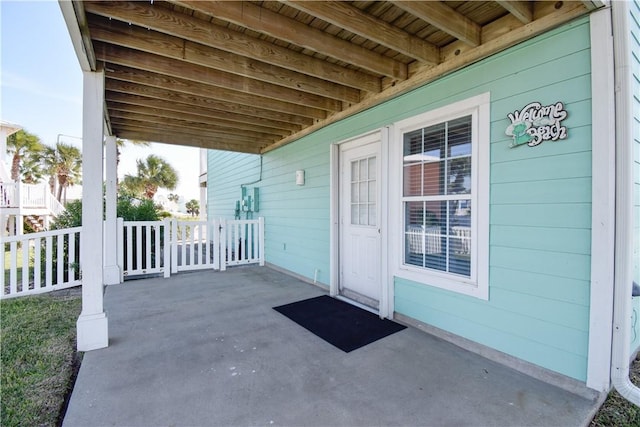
[{"x": 536, "y": 123}]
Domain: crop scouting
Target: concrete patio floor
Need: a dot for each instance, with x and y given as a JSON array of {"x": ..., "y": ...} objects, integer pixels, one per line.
[{"x": 206, "y": 348}]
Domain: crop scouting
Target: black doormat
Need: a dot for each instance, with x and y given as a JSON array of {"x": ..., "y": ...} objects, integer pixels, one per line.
[{"x": 339, "y": 323}]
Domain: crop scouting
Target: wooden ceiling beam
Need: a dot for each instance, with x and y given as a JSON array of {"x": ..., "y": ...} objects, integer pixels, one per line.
[
  {"x": 197, "y": 73},
  {"x": 203, "y": 102},
  {"x": 211, "y": 114},
  {"x": 355, "y": 20},
  {"x": 208, "y": 34},
  {"x": 523, "y": 10},
  {"x": 118, "y": 109},
  {"x": 141, "y": 125},
  {"x": 260, "y": 106},
  {"x": 156, "y": 43},
  {"x": 189, "y": 141},
  {"x": 190, "y": 128},
  {"x": 550, "y": 17},
  {"x": 445, "y": 18},
  {"x": 262, "y": 20}
]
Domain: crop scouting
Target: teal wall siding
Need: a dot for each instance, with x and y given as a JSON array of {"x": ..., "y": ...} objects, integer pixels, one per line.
[
  {"x": 540, "y": 213},
  {"x": 226, "y": 172},
  {"x": 634, "y": 44}
]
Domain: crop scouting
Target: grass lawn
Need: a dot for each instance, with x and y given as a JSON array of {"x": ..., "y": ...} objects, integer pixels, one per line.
[
  {"x": 616, "y": 410},
  {"x": 38, "y": 357}
]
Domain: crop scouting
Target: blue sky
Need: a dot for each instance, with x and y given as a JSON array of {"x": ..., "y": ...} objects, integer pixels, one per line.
[{"x": 41, "y": 86}]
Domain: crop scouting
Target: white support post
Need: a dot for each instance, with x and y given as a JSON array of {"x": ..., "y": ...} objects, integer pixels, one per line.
[
  {"x": 92, "y": 325},
  {"x": 166, "y": 248},
  {"x": 111, "y": 269}
]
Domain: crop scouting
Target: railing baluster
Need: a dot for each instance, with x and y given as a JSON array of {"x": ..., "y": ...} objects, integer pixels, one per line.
[
  {"x": 261, "y": 241},
  {"x": 207, "y": 247},
  {"x": 250, "y": 252},
  {"x": 129, "y": 239},
  {"x": 3, "y": 260},
  {"x": 166, "y": 247},
  {"x": 190, "y": 239},
  {"x": 49, "y": 261},
  {"x": 25, "y": 265},
  {"x": 218, "y": 249},
  {"x": 224, "y": 247},
  {"x": 156, "y": 247},
  {"x": 13, "y": 272},
  {"x": 71, "y": 256},
  {"x": 60, "y": 258},
  {"x": 183, "y": 247},
  {"x": 147, "y": 232},
  {"x": 138, "y": 247},
  {"x": 120, "y": 247},
  {"x": 37, "y": 276}
]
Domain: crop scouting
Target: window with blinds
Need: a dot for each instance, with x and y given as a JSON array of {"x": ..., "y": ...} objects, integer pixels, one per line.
[{"x": 437, "y": 194}]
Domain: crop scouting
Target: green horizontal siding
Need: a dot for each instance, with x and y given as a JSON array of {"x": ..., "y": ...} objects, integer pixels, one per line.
[{"x": 547, "y": 239}]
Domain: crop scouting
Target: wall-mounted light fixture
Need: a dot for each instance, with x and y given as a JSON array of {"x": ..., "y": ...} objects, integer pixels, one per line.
[{"x": 300, "y": 177}]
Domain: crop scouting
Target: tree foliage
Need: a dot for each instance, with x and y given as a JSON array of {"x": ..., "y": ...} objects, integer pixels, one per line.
[
  {"x": 31, "y": 168},
  {"x": 153, "y": 173},
  {"x": 64, "y": 164},
  {"x": 128, "y": 208},
  {"x": 193, "y": 207},
  {"x": 21, "y": 144}
]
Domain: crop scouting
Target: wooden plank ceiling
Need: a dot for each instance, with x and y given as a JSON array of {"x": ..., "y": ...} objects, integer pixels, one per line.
[{"x": 253, "y": 76}]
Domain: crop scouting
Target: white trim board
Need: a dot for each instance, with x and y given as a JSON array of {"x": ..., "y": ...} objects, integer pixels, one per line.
[{"x": 602, "y": 201}]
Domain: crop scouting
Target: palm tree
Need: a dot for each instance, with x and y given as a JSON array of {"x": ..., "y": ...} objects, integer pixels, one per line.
[
  {"x": 120, "y": 144},
  {"x": 153, "y": 173},
  {"x": 31, "y": 168},
  {"x": 21, "y": 143},
  {"x": 64, "y": 163},
  {"x": 193, "y": 207}
]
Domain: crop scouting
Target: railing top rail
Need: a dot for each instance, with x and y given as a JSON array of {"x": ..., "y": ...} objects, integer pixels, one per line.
[
  {"x": 143, "y": 223},
  {"x": 41, "y": 234},
  {"x": 186, "y": 222},
  {"x": 244, "y": 221}
]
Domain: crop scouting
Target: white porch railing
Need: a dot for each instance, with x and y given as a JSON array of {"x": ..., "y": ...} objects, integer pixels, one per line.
[
  {"x": 242, "y": 242},
  {"x": 171, "y": 246},
  {"x": 40, "y": 262},
  {"x": 195, "y": 245},
  {"x": 142, "y": 247},
  {"x": 29, "y": 196}
]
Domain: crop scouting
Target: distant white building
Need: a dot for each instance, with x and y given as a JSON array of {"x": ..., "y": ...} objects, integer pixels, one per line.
[{"x": 20, "y": 202}]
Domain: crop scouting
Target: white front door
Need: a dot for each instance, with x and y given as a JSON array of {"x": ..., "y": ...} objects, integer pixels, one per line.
[{"x": 360, "y": 254}]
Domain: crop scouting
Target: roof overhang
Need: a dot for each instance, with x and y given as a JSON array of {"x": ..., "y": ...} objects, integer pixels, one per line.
[{"x": 253, "y": 76}]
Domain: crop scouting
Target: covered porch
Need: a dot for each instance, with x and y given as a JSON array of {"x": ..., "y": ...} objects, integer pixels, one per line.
[
  {"x": 207, "y": 348},
  {"x": 253, "y": 77}
]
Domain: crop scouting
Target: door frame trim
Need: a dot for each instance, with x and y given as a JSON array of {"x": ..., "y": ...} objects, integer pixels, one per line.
[{"x": 386, "y": 308}]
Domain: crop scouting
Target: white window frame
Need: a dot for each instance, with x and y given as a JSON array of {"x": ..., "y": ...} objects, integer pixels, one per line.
[{"x": 477, "y": 284}]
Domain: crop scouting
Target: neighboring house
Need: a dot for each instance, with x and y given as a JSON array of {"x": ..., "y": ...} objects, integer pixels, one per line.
[
  {"x": 488, "y": 199},
  {"x": 19, "y": 202}
]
